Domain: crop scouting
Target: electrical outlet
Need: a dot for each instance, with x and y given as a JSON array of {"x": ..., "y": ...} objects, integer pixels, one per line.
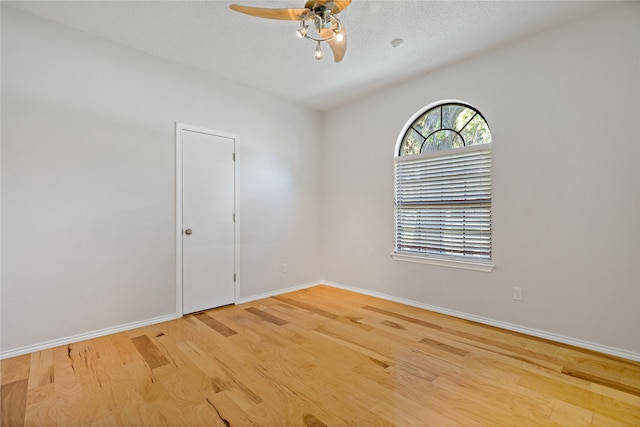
[
  {"x": 517, "y": 293},
  {"x": 284, "y": 268}
]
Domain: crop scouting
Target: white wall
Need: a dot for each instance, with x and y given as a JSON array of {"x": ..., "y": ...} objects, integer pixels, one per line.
[
  {"x": 564, "y": 109},
  {"x": 88, "y": 181}
]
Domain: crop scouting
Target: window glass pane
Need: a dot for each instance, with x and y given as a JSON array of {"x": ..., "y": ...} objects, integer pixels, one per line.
[
  {"x": 428, "y": 122},
  {"x": 476, "y": 132},
  {"x": 442, "y": 140},
  {"x": 463, "y": 118},
  {"x": 450, "y": 114},
  {"x": 412, "y": 143}
]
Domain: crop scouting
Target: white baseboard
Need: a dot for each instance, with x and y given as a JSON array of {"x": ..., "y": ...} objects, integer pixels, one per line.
[
  {"x": 85, "y": 336},
  {"x": 613, "y": 351},
  {"x": 625, "y": 354}
]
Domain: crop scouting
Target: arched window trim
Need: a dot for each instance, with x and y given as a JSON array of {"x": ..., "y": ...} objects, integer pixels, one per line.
[{"x": 447, "y": 260}]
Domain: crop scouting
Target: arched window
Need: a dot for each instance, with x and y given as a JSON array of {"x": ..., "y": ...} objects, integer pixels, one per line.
[{"x": 443, "y": 188}]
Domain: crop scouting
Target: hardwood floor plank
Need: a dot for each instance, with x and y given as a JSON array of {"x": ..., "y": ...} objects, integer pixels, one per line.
[
  {"x": 602, "y": 381},
  {"x": 96, "y": 396},
  {"x": 600, "y": 420},
  {"x": 15, "y": 369},
  {"x": 306, "y": 306},
  {"x": 224, "y": 378},
  {"x": 280, "y": 405},
  {"x": 41, "y": 409},
  {"x": 615, "y": 394},
  {"x": 202, "y": 335},
  {"x": 266, "y": 316},
  {"x": 319, "y": 393},
  {"x": 379, "y": 358},
  {"x": 294, "y": 411},
  {"x": 392, "y": 324},
  {"x": 310, "y": 420},
  {"x": 445, "y": 347},
  {"x": 126, "y": 351},
  {"x": 319, "y": 357},
  {"x": 566, "y": 414},
  {"x": 345, "y": 317},
  {"x": 398, "y": 416},
  {"x": 215, "y": 325},
  {"x": 182, "y": 378},
  {"x": 229, "y": 411},
  {"x": 506, "y": 403},
  {"x": 149, "y": 351},
  {"x": 403, "y": 317},
  {"x": 70, "y": 408},
  {"x": 597, "y": 403},
  {"x": 112, "y": 375},
  {"x": 292, "y": 358},
  {"x": 41, "y": 369},
  {"x": 13, "y": 402}
]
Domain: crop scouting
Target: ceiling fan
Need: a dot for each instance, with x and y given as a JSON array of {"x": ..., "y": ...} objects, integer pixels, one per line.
[{"x": 318, "y": 23}]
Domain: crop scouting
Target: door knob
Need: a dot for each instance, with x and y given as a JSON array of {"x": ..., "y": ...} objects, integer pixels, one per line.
[{"x": 188, "y": 231}]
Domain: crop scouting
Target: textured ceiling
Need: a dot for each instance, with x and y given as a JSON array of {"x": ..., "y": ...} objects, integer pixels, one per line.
[{"x": 266, "y": 54}]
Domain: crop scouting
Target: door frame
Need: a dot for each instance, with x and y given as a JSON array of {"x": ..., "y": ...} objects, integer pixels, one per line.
[{"x": 179, "y": 128}]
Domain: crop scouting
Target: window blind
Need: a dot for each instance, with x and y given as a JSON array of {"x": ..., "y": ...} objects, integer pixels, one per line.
[{"x": 443, "y": 203}]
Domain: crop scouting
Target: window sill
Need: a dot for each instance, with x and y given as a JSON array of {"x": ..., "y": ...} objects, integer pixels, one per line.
[{"x": 486, "y": 266}]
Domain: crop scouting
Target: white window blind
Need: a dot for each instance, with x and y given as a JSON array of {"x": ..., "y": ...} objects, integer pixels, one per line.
[{"x": 443, "y": 203}]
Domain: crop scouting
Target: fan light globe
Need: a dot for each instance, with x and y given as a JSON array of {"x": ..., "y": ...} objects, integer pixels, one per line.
[
  {"x": 318, "y": 52},
  {"x": 302, "y": 31}
]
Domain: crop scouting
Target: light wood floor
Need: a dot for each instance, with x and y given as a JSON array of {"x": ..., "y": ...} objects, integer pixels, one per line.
[{"x": 319, "y": 357}]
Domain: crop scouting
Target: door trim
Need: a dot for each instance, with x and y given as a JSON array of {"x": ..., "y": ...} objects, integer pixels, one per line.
[{"x": 179, "y": 128}]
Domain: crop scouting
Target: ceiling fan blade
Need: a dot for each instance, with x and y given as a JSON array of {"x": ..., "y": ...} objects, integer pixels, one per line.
[
  {"x": 339, "y": 5},
  {"x": 339, "y": 48},
  {"x": 336, "y": 6},
  {"x": 311, "y": 3},
  {"x": 284, "y": 14}
]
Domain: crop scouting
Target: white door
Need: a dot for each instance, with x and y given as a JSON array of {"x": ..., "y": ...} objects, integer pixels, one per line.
[{"x": 208, "y": 220}]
